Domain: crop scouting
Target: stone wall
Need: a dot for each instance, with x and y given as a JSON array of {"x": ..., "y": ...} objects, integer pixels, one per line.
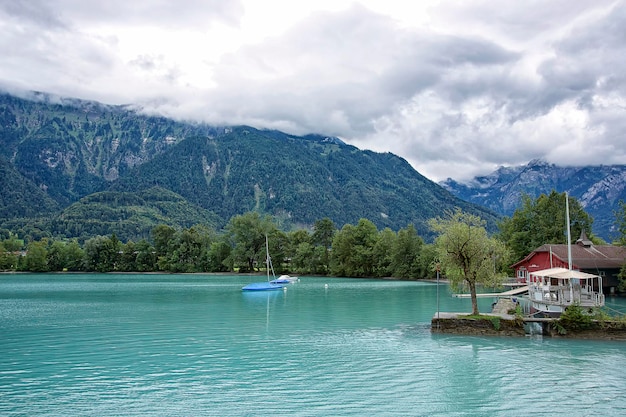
[
  {"x": 487, "y": 326},
  {"x": 507, "y": 325},
  {"x": 598, "y": 330}
]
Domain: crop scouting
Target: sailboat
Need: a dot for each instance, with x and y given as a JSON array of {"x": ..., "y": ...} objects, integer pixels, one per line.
[
  {"x": 266, "y": 285},
  {"x": 552, "y": 290}
]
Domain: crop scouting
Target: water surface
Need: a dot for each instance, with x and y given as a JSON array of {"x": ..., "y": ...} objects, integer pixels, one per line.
[{"x": 162, "y": 345}]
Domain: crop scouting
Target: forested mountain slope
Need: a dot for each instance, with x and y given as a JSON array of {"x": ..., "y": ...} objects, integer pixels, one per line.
[
  {"x": 71, "y": 148},
  {"x": 297, "y": 179},
  {"x": 62, "y": 150}
]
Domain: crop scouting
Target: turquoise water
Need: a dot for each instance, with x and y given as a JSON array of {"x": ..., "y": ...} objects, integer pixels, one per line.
[{"x": 194, "y": 345}]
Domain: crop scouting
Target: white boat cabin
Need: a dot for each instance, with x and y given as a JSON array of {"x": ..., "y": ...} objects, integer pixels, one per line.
[{"x": 552, "y": 290}]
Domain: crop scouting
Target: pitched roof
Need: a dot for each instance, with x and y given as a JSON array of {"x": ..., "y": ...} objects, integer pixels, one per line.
[
  {"x": 589, "y": 256},
  {"x": 562, "y": 273}
]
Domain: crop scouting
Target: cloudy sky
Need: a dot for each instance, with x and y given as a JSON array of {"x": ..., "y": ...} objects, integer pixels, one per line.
[{"x": 455, "y": 87}]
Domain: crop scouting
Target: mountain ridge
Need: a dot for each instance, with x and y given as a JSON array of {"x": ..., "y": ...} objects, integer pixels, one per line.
[
  {"x": 598, "y": 189},
  {"x": 70, "y": 152}
]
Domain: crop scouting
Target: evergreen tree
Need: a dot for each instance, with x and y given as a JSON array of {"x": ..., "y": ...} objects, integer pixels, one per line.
[{"x": 542, "y": 221}]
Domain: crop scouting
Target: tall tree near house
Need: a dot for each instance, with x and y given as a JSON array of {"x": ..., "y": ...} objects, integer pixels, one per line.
[
  {"x": 542, "y": 221},
  {"x": 620, "y": 223},
  {"x": 466, "y": 253}
]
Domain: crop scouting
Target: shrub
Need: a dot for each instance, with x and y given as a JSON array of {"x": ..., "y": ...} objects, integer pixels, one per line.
[{"x": 574, "y": 318}]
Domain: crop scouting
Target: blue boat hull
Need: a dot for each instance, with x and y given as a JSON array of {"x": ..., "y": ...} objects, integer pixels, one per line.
[{"x": 262, "y": 286}]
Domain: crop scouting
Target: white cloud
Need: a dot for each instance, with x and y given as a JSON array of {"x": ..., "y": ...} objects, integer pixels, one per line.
[{"x": 455, "y": 87}]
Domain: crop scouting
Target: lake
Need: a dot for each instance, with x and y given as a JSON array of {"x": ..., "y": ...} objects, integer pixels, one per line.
[{"x": 195, "y": 345}]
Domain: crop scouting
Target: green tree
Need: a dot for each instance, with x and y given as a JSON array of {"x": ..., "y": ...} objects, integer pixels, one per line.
[
  {"x": 466, "y": 253},
  {"x": 323, "y": 233},
  {"x": 406, "y": 253},
  {"x": 341, "y": 260},
  {"x": 219, "y": 256},
  {"x": 102, "y": 254},
  {"x": 189, "y": 250},
  {"x": 353, "y": 249},
  {"x": 13, "y": 244},
  {"x": 128, "y": 257},
  {"x": 304, "y": 260},
  {"x": 622, "y": 279},
  {"x": 162, "y": 235},
  {"x": 247, "y": 234},
  {"x": 36, "y": 259},
  {"x": 620, "y": 224},
  {"x": 146, "y": 259},
  {"x": 542, "y": 221},
  {"x": 74, "y": 256},
  {"x": 383, "y": 253},
  {"x": 427, "y": 261},
  {"x": 8, "y": 259},
  {"x": 57, "y": 256}
]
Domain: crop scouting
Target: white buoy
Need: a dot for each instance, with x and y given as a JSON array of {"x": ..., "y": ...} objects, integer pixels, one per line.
[{"x": 325, "y": 285}]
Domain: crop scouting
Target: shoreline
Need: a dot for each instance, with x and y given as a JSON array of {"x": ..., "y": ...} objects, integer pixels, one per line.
[{"x": 498, "y": 324}]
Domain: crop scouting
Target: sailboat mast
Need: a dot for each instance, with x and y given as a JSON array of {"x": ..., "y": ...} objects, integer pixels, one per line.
[
  {"x": 569, "y": 234},
  {"x": 267, "y": 258}
]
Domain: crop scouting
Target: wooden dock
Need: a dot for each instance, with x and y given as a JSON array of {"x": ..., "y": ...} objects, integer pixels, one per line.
[{"x": 510, "y": 293}]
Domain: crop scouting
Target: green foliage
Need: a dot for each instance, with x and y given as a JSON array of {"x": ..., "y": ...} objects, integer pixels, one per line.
[
  {"x": 81, "y": 169},
  {"x": 219, "y": 257},
  {"x": 8, "y": 260},
  {"x": 102, "y": 254},
  {"x": 36, "y": 257},
  {"x": 322, "y": 240},
  {"x": 620, "y": 224},
  {"x": 13, "y": 244},
  {"x": 74, "y": 256},
  {"x": 353, "y": 247},
  {"x": 405, "y": 254},
  {"x": 542, "y": 221},
  {"x": 247, "y": 234},
  {"x": 466, "y": 253},
  {"x": 57, "y": 256},
  {"x": 495, "y": 321},
  {"x": 574, "y": 319},
  {"x": 357, "y": 250},
  {"x": 517, "y": 311},
  {"x": 77, "y": 147},
  {"x": 128, "y": 215},
  {"x": 622, "y": 278},
  {"x": 190, "y": 251},
  {"x": 21, "y": 197}
]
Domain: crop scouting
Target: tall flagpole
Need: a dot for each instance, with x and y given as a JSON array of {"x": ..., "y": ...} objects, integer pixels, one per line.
[
  {"x": 569, "y": 234},
  {"x": 438, "y": 295}
]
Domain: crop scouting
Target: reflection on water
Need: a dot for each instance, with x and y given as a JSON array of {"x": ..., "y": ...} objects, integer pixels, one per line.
[{"x": 197, "y": 345}]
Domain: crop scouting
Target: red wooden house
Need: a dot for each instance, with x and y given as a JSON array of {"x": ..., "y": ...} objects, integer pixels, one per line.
[{"x": 603, "y": 260}]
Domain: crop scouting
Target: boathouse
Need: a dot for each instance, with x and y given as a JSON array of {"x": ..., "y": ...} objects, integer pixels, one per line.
[{"x": 603, "y": 260}]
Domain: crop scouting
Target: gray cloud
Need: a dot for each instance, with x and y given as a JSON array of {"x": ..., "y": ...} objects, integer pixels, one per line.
[
  {"x": 161, "y": 13},
  {"x": 482, "y": 85}
]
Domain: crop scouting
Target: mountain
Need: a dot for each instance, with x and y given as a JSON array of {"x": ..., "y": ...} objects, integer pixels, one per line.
[
  {"x": 297, "y": 179},
  {"x": 93, "y": 164},
  {"x": 71, "y": 148},
  {"x": 128, "y": 215},
  {"x": 21, "y": 197},
  {"x": 599, "y": 189}
]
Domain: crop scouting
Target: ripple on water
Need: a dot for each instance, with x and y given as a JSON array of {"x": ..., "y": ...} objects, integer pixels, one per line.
[{"x": 171, "y": 345}]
